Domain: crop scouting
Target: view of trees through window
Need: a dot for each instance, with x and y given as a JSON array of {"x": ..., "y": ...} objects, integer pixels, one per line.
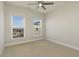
[{"x": 17, "y": 26}]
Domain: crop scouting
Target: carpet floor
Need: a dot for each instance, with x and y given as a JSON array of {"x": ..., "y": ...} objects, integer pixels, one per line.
[{"x": 41, "y": 48}]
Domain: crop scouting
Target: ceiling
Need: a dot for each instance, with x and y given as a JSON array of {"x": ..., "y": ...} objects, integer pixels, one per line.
[
  {"x": 33, "y": 7},
  {"x": 49, "y": 8}
]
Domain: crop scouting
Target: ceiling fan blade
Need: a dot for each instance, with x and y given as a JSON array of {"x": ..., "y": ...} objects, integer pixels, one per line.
[
  {"x": 48, "y": 3},
  {"x": 44, "y": 8}
]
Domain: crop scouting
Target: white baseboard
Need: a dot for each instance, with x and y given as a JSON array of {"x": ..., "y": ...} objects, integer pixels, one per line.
[
  {"x": 64, "y": 44},
  {"x": 10, "y": 44}
]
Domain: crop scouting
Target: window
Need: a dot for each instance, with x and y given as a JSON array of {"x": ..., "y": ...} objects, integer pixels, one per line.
[
  {"x": 37, "y": 27},
  {"x": 37, "y": 23},
  {"x": 17, "y": 24}
]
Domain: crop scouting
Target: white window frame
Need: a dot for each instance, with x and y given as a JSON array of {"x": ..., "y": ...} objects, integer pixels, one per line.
[
  {"x": 12, "y": 28},
  {"x": 40, "y": 34}
]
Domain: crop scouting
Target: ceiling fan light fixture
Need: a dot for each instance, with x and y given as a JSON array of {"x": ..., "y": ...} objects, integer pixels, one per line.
[{"x": 40, "y": 4}]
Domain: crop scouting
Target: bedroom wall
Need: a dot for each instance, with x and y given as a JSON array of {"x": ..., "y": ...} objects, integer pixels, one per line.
[
  {"x": 29, "y": 15},
  {"x": 62, "y": 24},
  {"x": 1, "y": 27}
]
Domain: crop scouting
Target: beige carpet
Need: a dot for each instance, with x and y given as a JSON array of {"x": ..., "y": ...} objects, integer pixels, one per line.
[{"x": 42, "y": 48}]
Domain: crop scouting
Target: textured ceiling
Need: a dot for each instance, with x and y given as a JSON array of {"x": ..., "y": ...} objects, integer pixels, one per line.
[
  {"x": 49, "y": 8},
  {"x": 33, "y": 7}
]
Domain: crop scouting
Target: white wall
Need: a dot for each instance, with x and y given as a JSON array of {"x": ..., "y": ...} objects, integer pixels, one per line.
[
  {"x": 29, "y": 15},
  {"x": 1, "y": 27},
  {"x": 62, "y": 24}
]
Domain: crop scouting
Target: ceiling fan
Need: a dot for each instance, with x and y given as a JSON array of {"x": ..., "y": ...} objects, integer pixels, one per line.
[{"x": 41, "y": 4}]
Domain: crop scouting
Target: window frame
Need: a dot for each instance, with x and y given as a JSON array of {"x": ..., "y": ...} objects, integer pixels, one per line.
[
  {"x": 11, "y": 17},
  {"x": 34, "y": 30}
]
